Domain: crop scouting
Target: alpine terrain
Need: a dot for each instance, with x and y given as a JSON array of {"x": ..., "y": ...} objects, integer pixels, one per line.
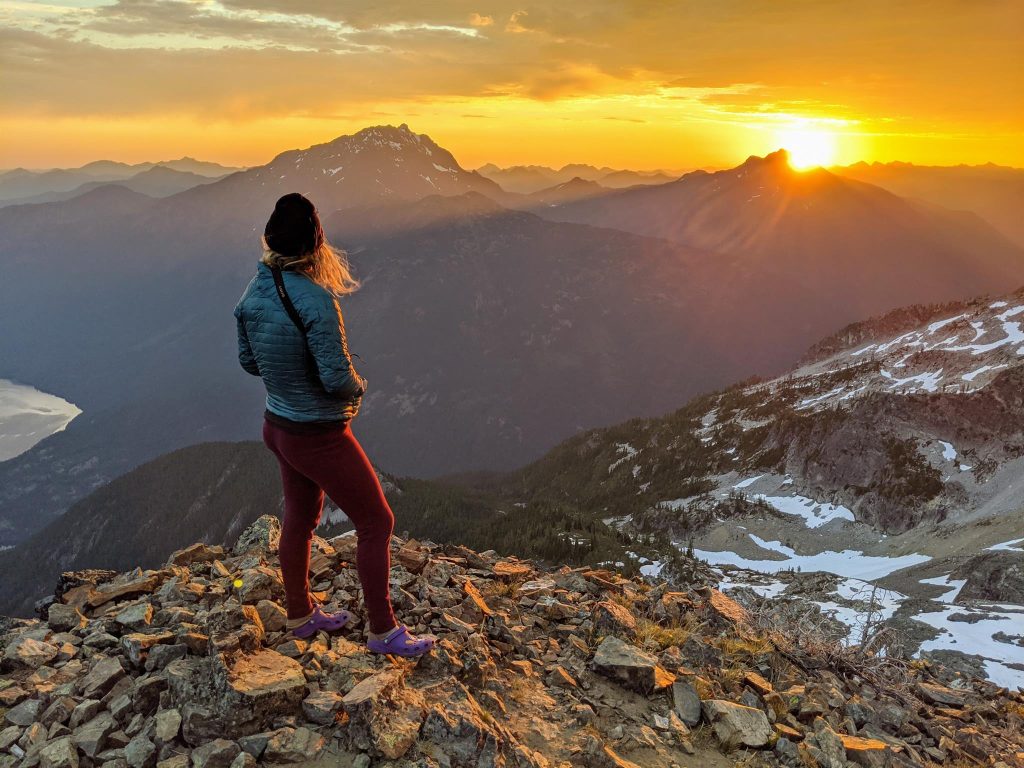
[
  {"x": 870, "y": 493},
  {"x": 189, "y": 664}
]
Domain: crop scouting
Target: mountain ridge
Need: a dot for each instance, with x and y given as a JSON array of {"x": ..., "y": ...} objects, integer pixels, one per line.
[
  {"x": 533, "y": 668},
  {"x": 532, "y": 325}
]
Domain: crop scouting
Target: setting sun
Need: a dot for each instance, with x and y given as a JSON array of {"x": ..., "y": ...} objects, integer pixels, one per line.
[{"x": 809, "y": 148}]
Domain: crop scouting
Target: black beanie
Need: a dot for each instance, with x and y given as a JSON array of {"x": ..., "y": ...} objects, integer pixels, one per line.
[{"x": 294, "y": 229}]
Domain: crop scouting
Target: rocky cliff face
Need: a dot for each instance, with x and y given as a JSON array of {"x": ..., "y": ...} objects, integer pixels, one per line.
[{"x": 189, "y": 664}]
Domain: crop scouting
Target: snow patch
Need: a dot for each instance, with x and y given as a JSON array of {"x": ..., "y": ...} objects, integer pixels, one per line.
[
  {"x": 948, "y": 451},
  {"x": 814, "y": 513},
  {"x": 848, "y": 563}
]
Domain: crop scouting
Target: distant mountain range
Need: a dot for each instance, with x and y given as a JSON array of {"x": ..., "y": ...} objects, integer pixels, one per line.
[
  {"x": 820, "y": 229},
  {"x": 156, "y": 179},
  {"x": 488, "y": 334},
  {"x": 992, "y": 191},
  {"x": 527, "y": 179}
]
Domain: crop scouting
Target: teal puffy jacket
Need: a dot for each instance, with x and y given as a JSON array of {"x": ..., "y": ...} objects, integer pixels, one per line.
[{"x": 271, "y": 346}]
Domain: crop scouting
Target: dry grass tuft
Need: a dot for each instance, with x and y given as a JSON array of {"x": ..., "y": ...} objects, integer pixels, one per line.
[
  {"x": 746, "y": 646},
  {"x": 731, "y": 676},
  {"x": 652, "y": 634},
  {"x": 623, "y": 599},
  {"x": 499, "y": 588}
]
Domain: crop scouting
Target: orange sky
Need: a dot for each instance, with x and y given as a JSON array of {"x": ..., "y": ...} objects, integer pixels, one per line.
[{"x": 629, "y": 83}]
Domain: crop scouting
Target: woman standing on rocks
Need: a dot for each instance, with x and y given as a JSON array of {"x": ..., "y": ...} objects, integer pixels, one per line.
[{"x": 291, "y": 334}]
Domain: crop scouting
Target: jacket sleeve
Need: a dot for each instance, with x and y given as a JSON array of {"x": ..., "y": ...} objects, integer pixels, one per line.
[
  {"x": 325, "y": 331},
  {"x": 245, "y": 355}
]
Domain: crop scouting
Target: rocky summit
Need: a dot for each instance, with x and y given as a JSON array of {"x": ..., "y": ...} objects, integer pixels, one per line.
[{"x": 535, "y": 667}]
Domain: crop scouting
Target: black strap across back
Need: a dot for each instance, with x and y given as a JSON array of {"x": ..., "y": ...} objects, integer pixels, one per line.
[{"x": 293, "y": 313}]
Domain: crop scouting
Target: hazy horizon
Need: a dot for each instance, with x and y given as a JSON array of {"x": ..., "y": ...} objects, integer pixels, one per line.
[{"x": 557, "y": 165}]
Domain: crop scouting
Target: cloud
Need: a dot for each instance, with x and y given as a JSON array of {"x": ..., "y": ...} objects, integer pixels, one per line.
[
  {"x": 241, "y": 58},
  {"x": 515, "y": 25}
]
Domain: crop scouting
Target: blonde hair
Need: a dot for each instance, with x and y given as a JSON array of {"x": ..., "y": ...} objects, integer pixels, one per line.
[{"x": 326, "y": 266}]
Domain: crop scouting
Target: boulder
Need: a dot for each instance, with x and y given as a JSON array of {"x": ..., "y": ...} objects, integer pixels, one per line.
[
  {"x": 91, "y": 737},
  {"x": 140, "y": 752},
  {"x": 219, "y": 753},
  {"x": 412, "y": 557},
  {"x": 272, "y": 615},
  {"x": 146, "y": 693},
  {"x": 938, "y": 694},
  {"x": 698, "y": 653},
  {"x": 736, "y": 725},
  {"x": 997, "y": 576},
  {"x": 232, "y": 626},
  {"x": 64, "y": 618},
  {"x": 257, "y": 584},
  {"x": 630, "y": 666},
  {"x": 870, "y": 753},
  {"x": 59, "y": 753},
  {"x": 262, "y": 535},
  {"x": 384, "y": 715},
  {"x": 167, "y": 725},
  {"x": 293, "y": 745},
  {"x": 84, "y": 711},
  {"x": 59, "y": 711},
  {"x": 671, "y": 606},
  {"x": 613, "y": 619},
  {"x": 686, "y": 702},
  {"x": 463, "y": 731},
  {"x": 606, "y": 757},
  {"x": 137, "y": 644},
  {"x": 26, "y": 651},
  {"x": 266, "y": 683},
  {"x": 725, "y": 610},
  {"x": 232, "y": 698},
  {"x": 122, "y": 589},
  {"x": 254, "y": 744},
  {"x": 12, "y": 695},
  {"x": 757, "y": 682},
  {"x": 512, "y": 570},
  {"x": 831, "y": 752},
  {"x": 321, "y": 707},
  {"x": 135, "y": 616},
  {"x": 160, "y": 656},
  {"x": 197, "y": 553},
  {"x": 25, "y": 713},
  {"x": 8, "y": 736},
  {"x": 105, "y": 672}
]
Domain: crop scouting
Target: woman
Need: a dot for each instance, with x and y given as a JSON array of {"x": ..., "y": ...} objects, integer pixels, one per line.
[{"x": 313, "y": 392}]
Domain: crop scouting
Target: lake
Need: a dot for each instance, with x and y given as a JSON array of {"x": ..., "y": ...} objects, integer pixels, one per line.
[{"x": 28, "y": 415}]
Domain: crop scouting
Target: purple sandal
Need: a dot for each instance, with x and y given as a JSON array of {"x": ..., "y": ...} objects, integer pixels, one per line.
[
  {"x": 322, "y": 622},
  {"x": 398, "y": 642}
]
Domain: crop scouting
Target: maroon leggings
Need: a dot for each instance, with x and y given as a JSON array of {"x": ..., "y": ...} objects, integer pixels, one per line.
[{"x": 333, "y": 462}]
